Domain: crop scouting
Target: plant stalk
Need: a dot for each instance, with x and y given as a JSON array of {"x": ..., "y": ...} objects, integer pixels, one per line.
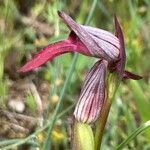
[
  {"x": 111, "y": 88},
  {"x": 100, "y": 125}
]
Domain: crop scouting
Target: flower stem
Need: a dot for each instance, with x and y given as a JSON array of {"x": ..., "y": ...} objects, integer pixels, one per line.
[
  {"x": 112, "y": 85},
  {"x": 100, "y": 125}
]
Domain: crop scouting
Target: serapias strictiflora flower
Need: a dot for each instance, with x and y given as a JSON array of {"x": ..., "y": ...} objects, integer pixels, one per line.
[{"x": 94, "y": 42}]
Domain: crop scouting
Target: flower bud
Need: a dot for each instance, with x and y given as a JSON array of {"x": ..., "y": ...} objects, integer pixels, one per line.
[{"x": 92, "y": 95}]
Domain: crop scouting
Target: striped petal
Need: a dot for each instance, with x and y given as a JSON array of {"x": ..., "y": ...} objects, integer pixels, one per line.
[
  {"x": 103, "y": 34},
  {"x": 96, "y": 47},
  {"x": 92, "y": 95},
  {"x": 105, "y": 40}
]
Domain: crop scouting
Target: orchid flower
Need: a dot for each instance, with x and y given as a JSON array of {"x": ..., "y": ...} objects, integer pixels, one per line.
[{"x": 92, "y": 42}]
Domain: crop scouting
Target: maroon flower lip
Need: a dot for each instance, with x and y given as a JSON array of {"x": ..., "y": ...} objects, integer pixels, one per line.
[{"x": 92, "y": 42}]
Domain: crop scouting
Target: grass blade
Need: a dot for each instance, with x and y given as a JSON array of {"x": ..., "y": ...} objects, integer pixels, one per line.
[{"x": 134, "y": 134}]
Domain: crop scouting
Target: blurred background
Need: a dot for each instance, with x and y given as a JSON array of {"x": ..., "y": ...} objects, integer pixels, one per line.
[{"x": 28, "y": 100}]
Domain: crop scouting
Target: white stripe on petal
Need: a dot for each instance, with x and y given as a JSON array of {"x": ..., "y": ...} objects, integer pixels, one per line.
[
  {"x": 92, "y": 95},
  {"x": 109, "y": 48},
  {"x": 103, "y": 34},
  {"x": 105, "y": 40}
]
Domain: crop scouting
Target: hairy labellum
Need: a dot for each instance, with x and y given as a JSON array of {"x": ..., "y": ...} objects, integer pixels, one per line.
[{"x": 92, "y": 95}]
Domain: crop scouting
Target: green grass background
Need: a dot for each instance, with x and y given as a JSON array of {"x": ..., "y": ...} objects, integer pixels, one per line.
[{"x": 131, "y": 107}]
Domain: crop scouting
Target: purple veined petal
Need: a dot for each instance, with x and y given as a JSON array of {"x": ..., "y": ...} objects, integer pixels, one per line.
[
  {"x": 51, "y": 51},
  {"x": 122, "y": 55},
  {"x": 92, "y": 95},
  {"x": 103, "y": 35},
  {"x": 105, "y": 40},
  {"x": 85, "y": 37},
  {"x": 129, "y": 75},
  {"x": 109, "y": 48}
]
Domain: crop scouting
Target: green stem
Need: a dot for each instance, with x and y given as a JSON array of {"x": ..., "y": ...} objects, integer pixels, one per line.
[
  {"x": 111, "y": 88},
  {"x": 100, "y": 125}
]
